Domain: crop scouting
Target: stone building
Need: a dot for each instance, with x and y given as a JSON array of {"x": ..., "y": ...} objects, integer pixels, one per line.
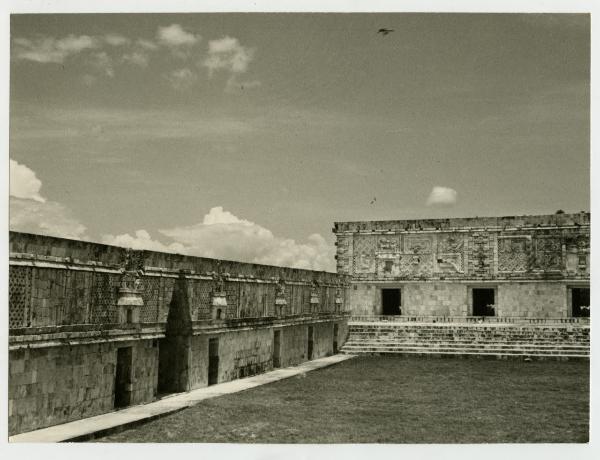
[
  {"x": 524, "y": 266},
  {"x": 93, "y": 328}
]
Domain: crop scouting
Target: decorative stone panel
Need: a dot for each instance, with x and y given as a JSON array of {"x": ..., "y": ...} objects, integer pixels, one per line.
[{"x": 513, "y": 253}]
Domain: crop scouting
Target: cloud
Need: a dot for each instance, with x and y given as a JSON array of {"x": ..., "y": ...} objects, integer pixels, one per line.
[
  {"x": 30, "y": 212},
  {"x": 24, "y": 183},
  {"x": 174, "y": 35},
  {"x": 52, "y": 50},
  {"x": 229, "y": 55},
  {"x": 148, "y": 45},
  {"x": 137, "y": 58},
  {"x": 223, "y": 235},
  {"x": 182, "y": 78},
  {"x": 442, "y": 196},
  {"x": 141, "y": 240},
  {"x": 46, "y": 218},
  {"x": 126, "y": 124},
  {"x": 116, "y": 40}
]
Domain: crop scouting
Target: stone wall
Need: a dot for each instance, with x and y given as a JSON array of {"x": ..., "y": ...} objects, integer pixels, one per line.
[
  {"x": 529, "y": 260},
  {"x": 528, "y": 247},
  {"x": 445, "y": 299},
  {"x": 58, "y": 384},
  {"x": 533, "y": 300},
  {"x": 54, "y": 281},
  {"x": 73, "y": 305}
]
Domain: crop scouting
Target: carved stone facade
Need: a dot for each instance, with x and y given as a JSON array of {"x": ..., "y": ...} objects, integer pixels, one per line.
[{"x": 469, "y": 251}]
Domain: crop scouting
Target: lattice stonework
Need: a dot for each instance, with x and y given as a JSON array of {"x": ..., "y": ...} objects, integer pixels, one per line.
[
  {"x": 548, "y": 253},
  {"x": 513, "y": 255},
  {"x": 203, "y": 299},
  {"x": 104, "y": 298},
  {"x": 19, "y": 288},
  {"x": 364, "y": 254},
  {"x": 151, "y": 295},
  {"x": 232, "y": 290}
]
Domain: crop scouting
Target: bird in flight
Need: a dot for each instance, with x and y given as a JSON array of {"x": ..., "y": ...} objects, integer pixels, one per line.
[
  {"x": 384, "y": 31},
  {"x": 373, "y": 200}
]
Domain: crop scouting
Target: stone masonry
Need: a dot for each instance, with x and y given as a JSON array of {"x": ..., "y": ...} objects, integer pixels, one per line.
[
  {"x": 96, "y": 327},
  {"x": 532, "y": 264}
]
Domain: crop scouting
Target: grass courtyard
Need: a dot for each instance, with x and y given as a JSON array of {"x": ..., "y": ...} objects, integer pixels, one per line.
[{"x": 393, "y": 400}]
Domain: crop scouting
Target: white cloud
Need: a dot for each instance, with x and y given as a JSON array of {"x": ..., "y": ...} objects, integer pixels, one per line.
[
  {"x": 228, "y": 54},
  {"x": 24, "y": 183},
  {"x": 32, "y": 213},
  {"x": 141, "y": 240},
  {"x": 442, "y": 196},
  {"x": 223, "y": 235},
  {"x": 116, "y": 40},
  {"x": 49, "y": 49},
  {"x": 137, "y": 58},
  {"x": 182, "y": 78},
  {"x": 46, "y": 218},
  {"x": 175, "y": 35},
  {"x": 148, "y": 45}
]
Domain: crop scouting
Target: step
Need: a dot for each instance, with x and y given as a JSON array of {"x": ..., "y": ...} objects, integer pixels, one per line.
[
  {"x": 468, "y": 344},
  {"x": 369, "y": 349},
  {"x": 476, "y": 355}
]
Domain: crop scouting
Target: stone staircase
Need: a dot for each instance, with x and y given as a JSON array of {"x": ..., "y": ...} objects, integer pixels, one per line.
[{"x": 502, "y": 341}]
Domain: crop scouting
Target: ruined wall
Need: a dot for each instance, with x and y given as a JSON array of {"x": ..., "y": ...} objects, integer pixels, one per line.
[
  {"x": 74, "y": 304},
  {"x": 435, "y": 262}
]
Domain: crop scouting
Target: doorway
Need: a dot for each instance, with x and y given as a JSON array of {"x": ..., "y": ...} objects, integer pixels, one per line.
[
  {"x": 580, "y": 301},
  {"x": 123, "y": 377},
  {"x": 310, "y": 342},
  {"x": 277, "y": 349},
  {"x": 391, "y": 299},
  {"x": 213, "y": 361},
  {"x": 335, "y": 339},
  {"x": 484, "y": 302}
]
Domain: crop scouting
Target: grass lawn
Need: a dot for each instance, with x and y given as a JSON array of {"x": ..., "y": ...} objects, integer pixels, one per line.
[{"x": 394, "y": 400}]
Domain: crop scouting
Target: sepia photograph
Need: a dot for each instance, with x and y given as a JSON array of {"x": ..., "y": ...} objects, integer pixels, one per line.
[{"x": 298, "y": 228}]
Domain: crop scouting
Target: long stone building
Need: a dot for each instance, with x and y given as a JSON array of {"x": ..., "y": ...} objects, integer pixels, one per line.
[
  {"x": 525, "y": 266},
  {"x": 94, "y": 327}
]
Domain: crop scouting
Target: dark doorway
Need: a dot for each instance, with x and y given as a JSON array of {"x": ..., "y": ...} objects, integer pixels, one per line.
[
  {"x": 277, "y": 349},
  {"x": 310, "y": 342},
  {"x": 213, "y": 361},
  {"x": 123, "y": 377},
  {"x": 580, "y": 301},
  {"x": 484, "y": 302},
  {"x": 390, "y": 301},
  {"x": 335, "y": 339}
]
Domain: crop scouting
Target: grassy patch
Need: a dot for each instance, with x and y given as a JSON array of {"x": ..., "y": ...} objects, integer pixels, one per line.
[{"x": 394, "y": 400}]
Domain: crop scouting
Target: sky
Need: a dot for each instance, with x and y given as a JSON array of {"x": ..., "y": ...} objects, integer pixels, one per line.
[{"x": 245, "y": 136}]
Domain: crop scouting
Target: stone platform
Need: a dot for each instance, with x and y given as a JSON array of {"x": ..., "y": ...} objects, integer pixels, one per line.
[{"x": 491, "y": 340}]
